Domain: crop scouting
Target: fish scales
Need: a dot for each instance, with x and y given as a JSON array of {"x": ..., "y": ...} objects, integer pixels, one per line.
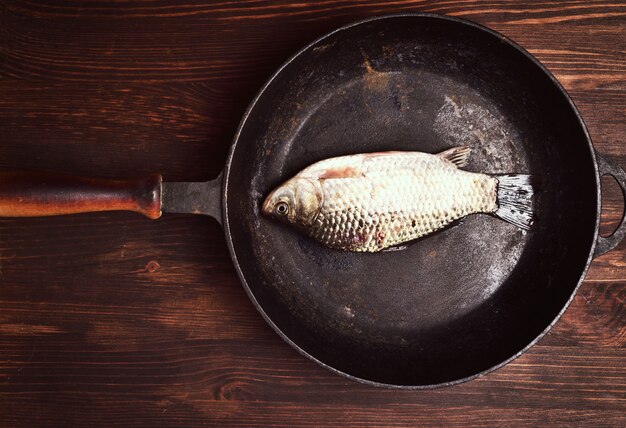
[{"x": 399, "y": 198}]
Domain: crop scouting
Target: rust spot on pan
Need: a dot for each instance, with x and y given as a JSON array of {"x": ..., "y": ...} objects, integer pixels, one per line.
[{"x": 374, "y": 80}]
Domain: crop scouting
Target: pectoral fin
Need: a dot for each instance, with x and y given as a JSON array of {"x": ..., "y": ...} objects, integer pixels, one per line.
[{"x": 396, "y": 248}]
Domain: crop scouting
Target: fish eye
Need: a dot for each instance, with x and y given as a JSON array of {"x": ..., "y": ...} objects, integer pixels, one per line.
[{"x": 282, "y": 208}]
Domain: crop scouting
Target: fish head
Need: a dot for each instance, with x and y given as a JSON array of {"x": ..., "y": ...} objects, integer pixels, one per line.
[{"x": 297, "y": 201}]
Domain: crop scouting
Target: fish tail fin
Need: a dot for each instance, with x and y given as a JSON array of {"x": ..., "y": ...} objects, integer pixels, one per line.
[{"x": 515, "y": 197}]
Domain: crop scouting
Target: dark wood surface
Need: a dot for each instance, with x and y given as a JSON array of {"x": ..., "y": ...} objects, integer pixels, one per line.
[{"x": 111, "y": 319}]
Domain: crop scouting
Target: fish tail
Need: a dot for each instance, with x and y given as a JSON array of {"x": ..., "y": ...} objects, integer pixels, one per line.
[{"x": 515, "y": 197}]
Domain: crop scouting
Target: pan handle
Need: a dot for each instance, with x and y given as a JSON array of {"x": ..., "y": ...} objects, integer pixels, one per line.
[
  {"x": 606, "y": 167},
  {"x": 194, "y": 198},
  {"x": 28, "y": 194}
]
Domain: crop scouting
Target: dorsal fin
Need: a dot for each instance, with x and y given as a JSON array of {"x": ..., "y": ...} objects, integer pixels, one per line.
[{"x": 457, "y": 155}]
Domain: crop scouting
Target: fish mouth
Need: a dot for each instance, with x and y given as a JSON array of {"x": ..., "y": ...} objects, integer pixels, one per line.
[{"x": 265, "y": 208}]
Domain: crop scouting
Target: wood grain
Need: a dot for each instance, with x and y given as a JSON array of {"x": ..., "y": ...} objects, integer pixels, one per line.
[{"x": 113, "y": 320}]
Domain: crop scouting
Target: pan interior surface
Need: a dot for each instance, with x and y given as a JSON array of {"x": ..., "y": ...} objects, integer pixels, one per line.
[{"x": 455, "y": 303}]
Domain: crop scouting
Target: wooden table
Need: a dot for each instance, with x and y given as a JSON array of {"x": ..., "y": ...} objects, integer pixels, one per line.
[{"x": 111, "y": 319}]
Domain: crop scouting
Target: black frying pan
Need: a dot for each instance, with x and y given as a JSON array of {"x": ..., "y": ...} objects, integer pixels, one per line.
[{"x": 453, "y": 305}]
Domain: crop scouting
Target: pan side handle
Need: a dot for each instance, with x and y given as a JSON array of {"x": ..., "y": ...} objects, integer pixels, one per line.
[
  {"x": 606, "y": 167},
  {"x": 32, "y": 194},
  {"x": 194, "y": 198}
]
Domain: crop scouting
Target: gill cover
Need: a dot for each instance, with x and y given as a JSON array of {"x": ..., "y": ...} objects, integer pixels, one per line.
[{"x": 309, "y": 199}]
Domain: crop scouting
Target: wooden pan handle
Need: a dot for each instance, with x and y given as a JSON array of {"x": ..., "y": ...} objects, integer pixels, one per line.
[{"x": 25, "y": 194}]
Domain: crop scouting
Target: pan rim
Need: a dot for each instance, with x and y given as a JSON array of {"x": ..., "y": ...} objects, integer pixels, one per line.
[{"x": 248, "y": 112}]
